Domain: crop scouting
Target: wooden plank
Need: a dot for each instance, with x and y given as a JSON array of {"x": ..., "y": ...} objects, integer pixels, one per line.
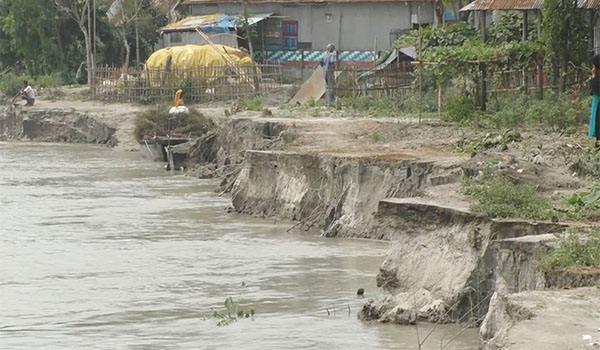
[{"x": 312, "y": 89}]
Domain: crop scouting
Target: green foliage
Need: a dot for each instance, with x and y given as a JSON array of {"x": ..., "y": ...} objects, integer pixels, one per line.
[
  {"x": 375, "y": 137},
  {"x": 434, "y": 36},
  {"x": 49, "y": 80},
  {"x": 152, "y": 123},
  {"x": 554, "y": 112},
  {"x": 509, "y": 28},
  {"x": 575, "y": 252},
  {"x": 185, "y": 85},
  {"x": 583, "y": 205},
  {"x": 38, "y": 39},
  {"x": 254, "y": 104},
  {"x": 375, "y": 106},
  {"x": 389, "y": 106},
  {"x": 439, "y": 36},
  {"x": 460, "y": 108},
  {"x": 565, "y": 29},
  {"x": 11, "y": 83},
  {"x": 463, "y": 61},
  {"x": 233, "y": 312},
  {"x": 500, "y": 198}
]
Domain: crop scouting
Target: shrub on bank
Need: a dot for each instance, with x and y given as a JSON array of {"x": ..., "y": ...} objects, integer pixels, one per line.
[
  {"x": 11, "y": 83},
  {"x": 253, "y": 104},
  {"x": 574, "y": 252},
  {"x": 402, "y": 105},
  {"x": 555, "y": 111},
  {"x": 500, "y": 198},
  {"x": 152, "y": 123}
]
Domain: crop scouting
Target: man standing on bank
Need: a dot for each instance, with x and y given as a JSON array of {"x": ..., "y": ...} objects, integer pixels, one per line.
[{"x": 328, "y": 63}]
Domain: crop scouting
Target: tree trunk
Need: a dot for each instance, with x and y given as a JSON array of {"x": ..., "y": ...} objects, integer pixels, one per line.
[
  {"x": 127, "y": 47},
  {"x": 88, "y": 52},
  {"x": 439, "y": 12},
  {"x": 59, "y": 46}
]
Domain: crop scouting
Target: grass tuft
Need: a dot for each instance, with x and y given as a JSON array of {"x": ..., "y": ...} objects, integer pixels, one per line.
[{"x": 500, "y": 198}]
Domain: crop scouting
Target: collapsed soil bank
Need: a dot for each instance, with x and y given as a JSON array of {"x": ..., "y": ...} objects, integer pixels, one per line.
[
  {"x": 54, "y": 125},
  {"x": 444, "y": 263}
]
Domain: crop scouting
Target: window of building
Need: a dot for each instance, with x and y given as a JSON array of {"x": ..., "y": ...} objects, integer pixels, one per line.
[
  {"x": 289, "y": 35},
  {"x": 175, "y": 37}
]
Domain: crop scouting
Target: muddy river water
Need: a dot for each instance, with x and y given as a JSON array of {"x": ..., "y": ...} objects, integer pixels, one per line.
[{"x": 101, "y": 249}]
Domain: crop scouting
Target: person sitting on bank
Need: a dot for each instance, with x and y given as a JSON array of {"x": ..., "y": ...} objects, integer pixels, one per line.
[
  {"x": 178, "y": 107},
  {"x": 178, "y": 98},
  {"x": 28, "y": 94}
]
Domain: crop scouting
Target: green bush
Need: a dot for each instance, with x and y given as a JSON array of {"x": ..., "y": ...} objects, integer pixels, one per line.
[
  {"x": 11, "y": 83},
  {"x": 460, "y": 108},
  {"x": 48, "y": 80},
  {"x": 254, "y": 104},
  {"x": 583, "y": 205},
  {"x": 390, "y": 106},
  {"x": 555, "y": 111},
  {"x": 574, "y": 252},
  {"x": 500, "y": 198}
]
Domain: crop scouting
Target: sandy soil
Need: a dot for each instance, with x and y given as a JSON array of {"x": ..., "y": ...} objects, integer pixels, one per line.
[
  {"x": 540, "y": 158},
  {"x": 120, "y": 116}
]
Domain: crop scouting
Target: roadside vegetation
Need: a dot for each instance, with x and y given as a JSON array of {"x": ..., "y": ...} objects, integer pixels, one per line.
[{"x": 576, "y": 251}]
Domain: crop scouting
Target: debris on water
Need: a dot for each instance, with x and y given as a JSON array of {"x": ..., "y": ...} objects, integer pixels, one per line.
[{"x": 360, "y": 292}]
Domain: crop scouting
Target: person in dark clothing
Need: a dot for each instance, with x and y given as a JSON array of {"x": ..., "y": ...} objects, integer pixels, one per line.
[{"x": 594, "y": 130}]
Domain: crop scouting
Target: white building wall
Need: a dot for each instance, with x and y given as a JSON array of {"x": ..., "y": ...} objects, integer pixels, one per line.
[
  {"x": 187, "y": 38},
  {"x": 349, "y": 26}
]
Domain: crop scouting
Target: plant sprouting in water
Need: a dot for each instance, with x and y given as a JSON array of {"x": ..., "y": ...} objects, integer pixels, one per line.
[{"x": 232, "y": 313}]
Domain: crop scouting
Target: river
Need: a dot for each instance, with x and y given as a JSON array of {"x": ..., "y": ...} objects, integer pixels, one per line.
[{"x": 101, "y": 249}]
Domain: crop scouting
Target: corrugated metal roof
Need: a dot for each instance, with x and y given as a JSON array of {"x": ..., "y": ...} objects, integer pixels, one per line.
[
  {"x": 217, "y": 22},
  {"x": 490, "y": 5},
  {"x": 291, "y": 2},
  {"x": 589, "y": 4}
]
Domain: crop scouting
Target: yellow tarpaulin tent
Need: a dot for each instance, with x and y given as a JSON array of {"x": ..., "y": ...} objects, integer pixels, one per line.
[{"x": 200, "y": 62}]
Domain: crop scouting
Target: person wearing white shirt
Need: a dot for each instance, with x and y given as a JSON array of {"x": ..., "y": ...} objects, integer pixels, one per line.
[{"x": 28, "y": 93}]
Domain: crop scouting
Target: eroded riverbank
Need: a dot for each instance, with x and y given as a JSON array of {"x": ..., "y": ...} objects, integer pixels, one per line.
[
  {"x": 392, "y": 180},
  {"x": 103, "y": 249}
]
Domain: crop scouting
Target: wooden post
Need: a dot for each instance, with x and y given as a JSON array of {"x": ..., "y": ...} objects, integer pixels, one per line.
[
  {"x": 302, "y": 65},
  {"x": 524, "y": 39},
  {"x": 483, "y": 69},
  {"x": 525, "y": 24},
  {"x": 540, "y": 74},
  {"x": 419, "y": 56},
  {"x": 539, "y": 24},
  {"x": 592, "y": 44},
  {"x": 137, "y": 37},
  {"x": 482, "y": 22},
  {"x": 482, "y": 66}
]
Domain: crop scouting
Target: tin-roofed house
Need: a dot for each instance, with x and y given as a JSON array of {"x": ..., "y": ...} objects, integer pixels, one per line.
[
  {"x": 299, "y": 31},
  {"x": 220, "y": 28},
  {"x": 483, "y": 10}
]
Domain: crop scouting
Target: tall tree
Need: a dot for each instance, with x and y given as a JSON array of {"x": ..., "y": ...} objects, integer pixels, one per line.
[
  {"x": 564, "y": 31},
  {"x": 79, "y": 11}
]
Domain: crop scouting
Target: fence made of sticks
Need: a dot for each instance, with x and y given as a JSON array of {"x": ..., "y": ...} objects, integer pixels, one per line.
[
  {"x": 394, "y": 80},
  {"x": 202, "y": 84}
]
